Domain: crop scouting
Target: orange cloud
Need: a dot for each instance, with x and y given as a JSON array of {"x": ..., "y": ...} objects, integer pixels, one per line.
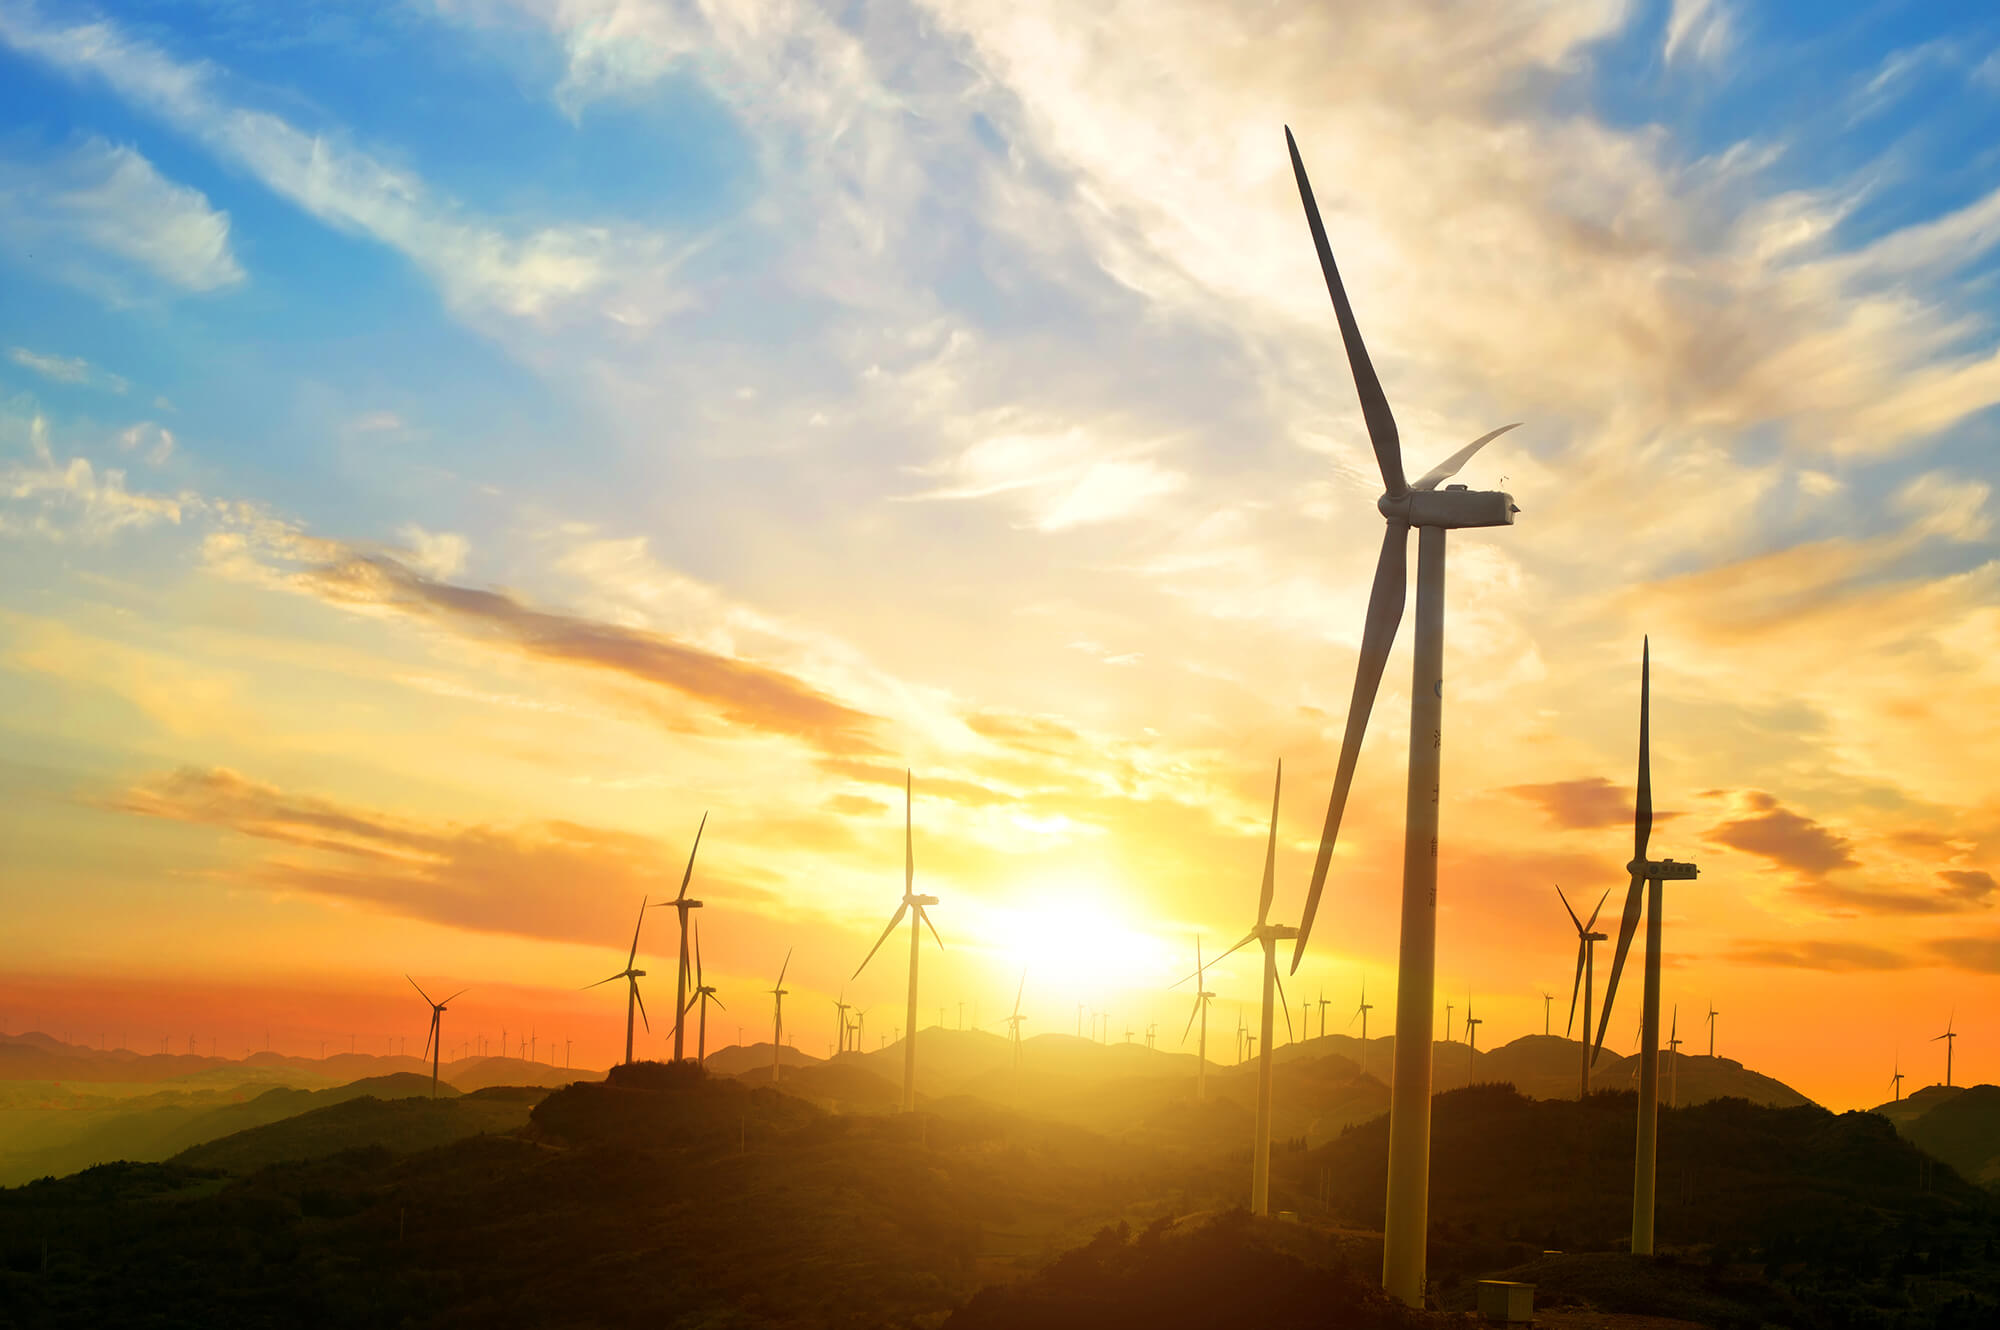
[
  {"x": 1578, "y": 804},
  {"x": 1820, "y": 954},
  {"x": 1790, "y": 840}
]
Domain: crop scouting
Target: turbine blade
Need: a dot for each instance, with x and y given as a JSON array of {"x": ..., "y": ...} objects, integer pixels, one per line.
[
  {"x": 642, "y": 1006},
  {"x": 1576, "y": 985},
  {"x": 1572, "y": 913},
  {"x": 1642, "y": 811},
  {"x": 453, "y": 998},
  {"x": 1600, "y": 906},
  {"x": 1270, "y": 886},
  {"x": 909, "y": 851},
  {"x": 691, "y": 853},
  {"x": 1378, "y": 634},
  {"x": 586, "y": 987},
  {"x": 1019, "y": 989},
  {"x": 894, "y": 919},
  {"x": 782, "y": 968},
  {"x": 713, "y": 998},
  {"x": 635, "y": 934},
  {"x": 925, "y": 915},
  {"x": 1283, "y": 1001},
  {"x": 697, "y": 953},
  {"x": 420, "y": 989},
  {"x": 1448, "y": 468},
  {"x": 1247, "y": 937},
  {"x": 1374, "y": 404},
  {"x": 1635, "y": 902},
  {"x": 429, "y": 1034},
  {"x": 1196, "y": 1011}
]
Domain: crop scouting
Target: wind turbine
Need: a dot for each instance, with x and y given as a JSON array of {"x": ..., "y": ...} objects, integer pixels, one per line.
[
  {"x": 1949, "y": 1039},
  {"x": 778, "y": 1019},
  {"x": 1449, "y": 1008},
  {"x": 1433, "y": 512},
  {"x": 1269, "y": 935},
  {"x": 434, "y": 1041},
  {"x": 1896, "y": 1081},
  {"x": 1362, "y": 1011},
  {"x": 632, "y": 977},
  {"x": 702, "y": 996},
  {"x": 914, "y": 905},
  {"x": 1548, "y": 1005},
  {"x": 840, "y": 1019},
  {"x": 1323, "y": 1003},
  {"x": 1712, "y": 1014},
  {"x": 1644, "y": 872},
  {"x": 1202, "y": 997},
  {"x": 1014, "y": 1021},
  {"x": 682, "y": 905},
  {"x": 1472, "y": 1024},
  {"x": 1585, "y": 981},
  {"x": 1674, "y": 1043}
]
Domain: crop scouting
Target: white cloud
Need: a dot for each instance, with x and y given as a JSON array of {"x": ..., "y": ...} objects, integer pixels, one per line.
[
  {"x": 100, "y": 216},
  {"x": 1942, "y": 505},
  {"x": 153, "y": 441},
  {"x": 73, "y": 500},
  {"x": 441, "y": 554},
  {"x": 1699, "y": 30}
]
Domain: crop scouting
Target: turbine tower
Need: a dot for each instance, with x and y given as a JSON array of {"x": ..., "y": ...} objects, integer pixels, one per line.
[
  {"x": 778, "y": 1019},
  {"x": 703, "y": 995},
  {"x": 1674, "y": 1042},
  {"x": 1585, "y": 982},
  {"x": 914, "y": 905},
  {"x": 1712, "y": 1014},
  {"x": 1014, "y": 1021},
  {"x": 1362, "y": 1011},
  {"x": 1644, "y": 872},
  {"x": 1472, "y": 1024},
  {"x": 682, "y": 905},
  {"x": 1949, "y": 1039},
  {"x": 434, "y": 1041},
  {"x": 1202, "y": 997},
  {"x": 631, "y": 977},
  {"x": 1269, "y": 935},
  {"x": 1323, "y": 1003},
  {"x": 1433, "y": 512},
  {"x": 840, "y": 1008}
]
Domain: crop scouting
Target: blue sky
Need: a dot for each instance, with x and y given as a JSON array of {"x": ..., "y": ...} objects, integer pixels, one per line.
[{"x": 967, "y": 369}]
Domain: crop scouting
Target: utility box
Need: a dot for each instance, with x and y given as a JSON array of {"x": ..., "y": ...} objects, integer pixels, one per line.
[{"x": 1506, "y": 1301}]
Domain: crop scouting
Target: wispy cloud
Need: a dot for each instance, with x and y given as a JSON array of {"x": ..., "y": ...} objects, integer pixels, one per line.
[
  {"x": 67, "y": 369},
  {"x": 101, "y": 217},
  {"x": 1698, "y": 31},
  {"x": 1821, "y": 954}
]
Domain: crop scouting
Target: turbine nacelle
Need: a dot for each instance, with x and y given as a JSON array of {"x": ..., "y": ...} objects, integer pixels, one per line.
[
  {"x": 1452, "y": 508},
  {"x": 913, "y": 899},
  {"x": 1667, "y": 870}
]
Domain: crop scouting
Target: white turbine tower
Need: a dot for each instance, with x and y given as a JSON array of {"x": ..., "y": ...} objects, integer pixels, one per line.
[
  {"x": 1269, "y": 935},
  {"x": 703, "y": 994},
  {"x": 1585, "y": 982},
  {"x": 631, "y": 977},
  {"x": 778, "y": 991},
  {"x": 1433, "y": 512},
  {"x": 914, "y": 905},
  {"x": 1645, "y": 872},
  {"x": 682, "y": 905},
  {"x": 1202, "y": 997}
]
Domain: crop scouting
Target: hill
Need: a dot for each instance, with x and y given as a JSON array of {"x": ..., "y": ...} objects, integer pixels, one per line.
[
  {"x": 1960, "y": 1126},
  {"x": 400, "y": 1126}
]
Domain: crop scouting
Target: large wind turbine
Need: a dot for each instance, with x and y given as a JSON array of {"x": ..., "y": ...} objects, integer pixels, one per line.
[
  {"x": 632, "y": 999},
  {"x": 1202, "y": 997},
  {"x": 434, "y": 1041},
  {"x": 914, "y": 905},
  {"x": 1644, "y": 872},
  {"x": 1949, "y": 1039},
  {"x": 1014, "y": 1021},
  {"x": 778, "y": 1019},
  {"x": 1269, "y": 935},
  {"x": 682, "y": 905},
  {"x": 702, "y": 996},
  {"x": 1585, "y": 982},
  {"x": 1433, "y": 512}
]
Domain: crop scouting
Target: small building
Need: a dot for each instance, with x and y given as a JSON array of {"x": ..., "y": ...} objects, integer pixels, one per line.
[{"x": 1506, "y": 1301}]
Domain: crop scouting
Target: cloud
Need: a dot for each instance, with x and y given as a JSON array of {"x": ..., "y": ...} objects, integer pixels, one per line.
[
  {"x": 1785, "y": 838},
  {"x": 75, "y": 501},
  {"x": 155, "y": 442},
  {"x": 67, "y": 369},
  {"x": 1940, "y": 505},
  {"x": 1820, "y": 954},
  {"x": 543, "y": 880},
  {"x": 1697, "y": 30},
  {"x": 1577, "y": 804},
  {"x": 1842, "y": 899},
  {"x": 438, "y": 554},
  {"x": 1981, "y": 955},
  {"x": 1062, "y": 479},
  {"x": 101, "y": 217},
  {"x": 620, "y": 273},
  {"x": 1970, "y": 884}
]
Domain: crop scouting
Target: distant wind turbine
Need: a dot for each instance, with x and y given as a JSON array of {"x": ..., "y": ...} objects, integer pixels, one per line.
[
  {"x": 840, "y": 1019},
  {"x": 1433, "y": 512},
  {"x": 1323, "y": 1003},
  {"x": 1644, "y": 872},
  {"x": 1269, "y": 935},
  {"x": 434, "y": 1041},
  {"x": 681, "y": 905},
  {"x": 1362, "y": 1011},
  {"x": 1949, "y": 1039},
  {"x": 1202, "y": 997},
  {"x": 915, "y": 906},
  {"x": 1712, "y": 1014},
  {"x": 1472, "y": 1024},
  {"x": 703, "y": 994},
  {"x": 778, "y": 1019},
  {"x": 1585, "y": 982},
  {"x": 1548, "y": 1005},
  {"x": 1014, "y": 1020},
  {"x": 1896, "y": 1081},
  {"x": 1674, "y": 1042},
  {"x": 632, "y": 977}
]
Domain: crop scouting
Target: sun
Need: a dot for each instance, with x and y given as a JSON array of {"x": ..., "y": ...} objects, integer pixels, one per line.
[{"x": 1076, "y": 937}]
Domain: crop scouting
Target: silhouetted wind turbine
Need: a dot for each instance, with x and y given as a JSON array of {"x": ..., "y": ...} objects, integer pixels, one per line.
[
  {"x": 632, "y": 977},
  {"x": 1362, "y": 1011},
  {"x": 1014, "y": 1021},
  {"x": 1472, "y": 1024},
  {"x": 1433, "y": 512},
  {"x": 1654, "y": 872},
  {"x": 434, "y": 1041},
  {"x": 1712, "y": 1014},
  {"x": 1585, "y": 981},
  {"x": 914, "y": 905},
  {"x": 703, "y": 995},
  {"x": 778, "y": 1019},
  {"x": 682, "y": 905},
  {"x": 840, "y": 1019},
  {"x": 1268, "y": 934},
  {"x": 1674, "y": 1059},
  {"x": 1202, "y": 997},
  {"x": 1896, "y": 1081},
  {"x": 1548, "y": 1006},
  {"x": 1949, "y": 1039},
  {"x": 1323, "y": 1003}
]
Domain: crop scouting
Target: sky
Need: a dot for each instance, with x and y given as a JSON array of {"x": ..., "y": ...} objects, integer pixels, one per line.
[{"x": 449, "y": 447}]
